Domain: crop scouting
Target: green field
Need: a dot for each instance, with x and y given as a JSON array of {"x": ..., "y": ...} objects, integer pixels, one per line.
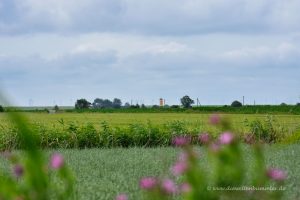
[
  {"x": 123, "y": 119},
  {"x": 103, "y": 173},
  {"x": 94, "y": 130}
]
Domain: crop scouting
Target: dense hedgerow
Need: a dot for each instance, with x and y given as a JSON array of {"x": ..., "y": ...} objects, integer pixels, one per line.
[
  {"x": 247, "y": 109},
  {"x": 86, "y": 135}
]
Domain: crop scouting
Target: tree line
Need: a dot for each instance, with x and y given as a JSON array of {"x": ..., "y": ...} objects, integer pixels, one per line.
[{"x": 98, "y": 103}]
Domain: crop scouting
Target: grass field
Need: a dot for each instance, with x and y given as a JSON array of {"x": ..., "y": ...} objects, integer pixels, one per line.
[
  {"x": 123, "y": 119},
  {"x": 103, "y": 173}
]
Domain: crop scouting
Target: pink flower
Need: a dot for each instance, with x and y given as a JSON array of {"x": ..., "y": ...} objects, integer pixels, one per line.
[
  {"x": 276, "y": 174},
  {"x": 204, "y": 138},
  {"x": 18, "y": 170},
  {"x": 57, "y": 161},
  {"x": 214, "y": 147},
  {"x": 185, "y": 188},
  {"x": 148, "y": 183},
  {"x": 179, "y": 168},
  {"x": 169, "y": 186},
  {"x": 215, "y": 119},
  {"x": 226, "y": 138},
  {"x": 122, "y": 197},
  {"x": 181, "y": 141}
]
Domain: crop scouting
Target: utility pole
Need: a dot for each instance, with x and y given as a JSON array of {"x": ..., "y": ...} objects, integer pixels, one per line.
[{"x": 243, "y": 100}]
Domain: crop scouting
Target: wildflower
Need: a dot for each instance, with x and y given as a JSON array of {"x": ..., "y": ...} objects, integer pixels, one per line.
[
  {"x": 179, "y": 168},
  {"x": 148, "y": 183},
  {"x": 204, "y": 138},
  {"x": 18, "y": 170},
  {"x": 181, "y": 141},
  {"x": 215, "y": 119},
  {"x": 169, "y": 186},
  {"x": 214, "y": 147},
  {"x": 57, "y": 161},
  {"x": 226, "y": 138},
  {"x": 122, "y": 197},
  {"x": 185, "y": 188},
  {"x": 276, "y": 174}
]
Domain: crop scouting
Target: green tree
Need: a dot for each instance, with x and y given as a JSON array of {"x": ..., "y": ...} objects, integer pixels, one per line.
[
  {"x": 1, "y": 108},
  {"x": 186, "y": 101},
  {"x": 98, "y": 103},
  {"x": 82, "y": 104},
  {"x": 236, "y": 104},
  {"x": 56, "y": 108},
  {"x": 117, "y": 103}
]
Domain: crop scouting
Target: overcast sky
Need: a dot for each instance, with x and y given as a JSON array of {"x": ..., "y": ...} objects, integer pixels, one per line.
[{"x": 56, "y": 51}]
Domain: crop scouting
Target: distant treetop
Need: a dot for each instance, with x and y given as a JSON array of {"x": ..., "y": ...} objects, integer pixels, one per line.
[{"x": 236, "y": 104}]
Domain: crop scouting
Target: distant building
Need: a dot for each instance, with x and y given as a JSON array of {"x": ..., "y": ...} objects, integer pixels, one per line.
[{"x": 162, "y": 102}]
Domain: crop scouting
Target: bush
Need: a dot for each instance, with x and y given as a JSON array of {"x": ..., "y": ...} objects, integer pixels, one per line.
[
  {"x": 297, "y": 104},
  {"x": 1, "y": 108},
  {"x": 266, "y": 131},
  {"x": 236, "y": 104},
  {"x": 175, "y": 106}
]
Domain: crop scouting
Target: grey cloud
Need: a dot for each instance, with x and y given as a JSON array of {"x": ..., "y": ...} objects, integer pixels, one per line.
[{"x": 167, "y": 17}]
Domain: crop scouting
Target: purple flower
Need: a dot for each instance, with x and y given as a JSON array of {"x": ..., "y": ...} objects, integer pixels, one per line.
[
  {"x": 169, "y": 186},
  {"x": 148, "y": 183},
  {"x": 57, "y": 161},
  {"x": 122, "y": 197},
  {"x": 181, "y": 141},
  {"x": 226, "y": 138},
  {"x": 185, "y": 188},
  {"x": 276, "y": 174},
  {"x": 18, "y": 170},
  {"x": 215, "y": 119},
  {"x": 204, "y": 138},
  {"x": 179, "y": 168}
]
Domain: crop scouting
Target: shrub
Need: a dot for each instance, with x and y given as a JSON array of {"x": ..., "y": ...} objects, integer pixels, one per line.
[
  {"x": 266, "y": 131},
  {"x": 175, "y": 106},
  {"x": 297, "y": 104}
]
